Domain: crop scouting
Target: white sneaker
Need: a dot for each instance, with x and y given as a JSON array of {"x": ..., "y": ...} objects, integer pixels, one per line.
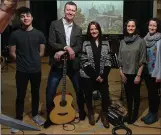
[
  {"x": 38, "y": 120},
  {"x": 14, "y": 130}
]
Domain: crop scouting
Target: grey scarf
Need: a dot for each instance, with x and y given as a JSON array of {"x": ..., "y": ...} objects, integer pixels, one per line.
[
  {"x": 130, "y": 39},
  {"x": 151, "y": 40}
]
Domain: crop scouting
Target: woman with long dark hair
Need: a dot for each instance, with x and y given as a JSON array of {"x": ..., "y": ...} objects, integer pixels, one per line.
[
  {"x": 95, "y": 67},
  {"x": 132, "y": 57},
  {"x": 152, "y": 74}
]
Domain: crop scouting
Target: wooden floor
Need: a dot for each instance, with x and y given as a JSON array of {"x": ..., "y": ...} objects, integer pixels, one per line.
[{"x": 8, "y": 91}]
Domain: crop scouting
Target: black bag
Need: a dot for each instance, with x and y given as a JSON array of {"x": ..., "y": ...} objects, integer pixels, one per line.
[{"x": 116, "y": 113}]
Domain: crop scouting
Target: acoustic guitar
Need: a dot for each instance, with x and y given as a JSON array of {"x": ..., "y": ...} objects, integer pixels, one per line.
[{"x": 63, "y": 112}]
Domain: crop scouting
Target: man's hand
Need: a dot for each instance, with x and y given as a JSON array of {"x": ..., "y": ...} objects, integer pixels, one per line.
[
  {"x": 58, "y": 55},
  {"x": 70, "y": 52},
  {"x": 99, "y": 79}
]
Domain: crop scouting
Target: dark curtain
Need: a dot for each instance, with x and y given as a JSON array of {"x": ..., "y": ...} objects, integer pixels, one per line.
[
  {"x": 5, "y": 37},
  {"x": 44, "y": 12},
  {"x": 141, "y": 10}
]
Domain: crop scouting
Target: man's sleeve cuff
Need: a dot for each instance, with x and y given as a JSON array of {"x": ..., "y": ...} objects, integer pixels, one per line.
[{"x": 65, "y": 47}]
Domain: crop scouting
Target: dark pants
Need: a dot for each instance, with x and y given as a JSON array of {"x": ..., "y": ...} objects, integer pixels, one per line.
[
  {"x": 54, "y": 78},
  {"x": 132, "y": 92},
  {"x": 88, "y": 86},
  {"x": 21, "y": 84},
  {"x": 153, "y": 97}
]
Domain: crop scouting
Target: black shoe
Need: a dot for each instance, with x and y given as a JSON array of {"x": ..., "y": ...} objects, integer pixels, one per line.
[
  {"x": 149, "y": 114},
  {"x": 104, "y": 119},
  {"x": 47, "y": 123},
  {"x": 125, "y": 118},
  {"x": 82, "y": 115},
  {"x": 134, "y": 117},
  {"x": 152, "y": 119},
  {"x": 91, "y": 119},
  {"x": 131, "y": 121}
]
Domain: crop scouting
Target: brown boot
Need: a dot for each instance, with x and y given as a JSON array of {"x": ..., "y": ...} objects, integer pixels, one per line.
[
  {"x": 104, "y": 119},
  {"x": 91, "y": 118}
]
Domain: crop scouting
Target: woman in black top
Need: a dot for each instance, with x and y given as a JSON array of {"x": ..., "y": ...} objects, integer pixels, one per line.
[{"x": 95, "y": 67}]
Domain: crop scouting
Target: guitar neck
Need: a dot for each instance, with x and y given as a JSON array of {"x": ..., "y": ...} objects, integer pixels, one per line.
[{"x": 64, "y": 78}]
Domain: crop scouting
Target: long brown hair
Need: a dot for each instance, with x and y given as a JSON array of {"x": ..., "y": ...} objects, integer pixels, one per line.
[{"x": 89, "y": 37}]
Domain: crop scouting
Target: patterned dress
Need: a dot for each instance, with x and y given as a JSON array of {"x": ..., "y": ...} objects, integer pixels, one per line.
[{"x": 151, "y": 57}]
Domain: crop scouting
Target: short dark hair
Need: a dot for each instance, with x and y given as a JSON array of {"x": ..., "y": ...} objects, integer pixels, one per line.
[
  {"x": 125, "y": 27},
  {"x": 70, "y": 3},
  {"x": 23, "y": 10},
  {"x": 158, "y": 22},
  {"x": 97, "y": 26}
]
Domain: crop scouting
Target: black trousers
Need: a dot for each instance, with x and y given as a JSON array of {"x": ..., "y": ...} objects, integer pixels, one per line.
[
  {"x": 88, "y": 86},
  {"x": 153, "y": 97},
  {"x": 21, "y": 84},
  {"x": 132, "y": 92}
]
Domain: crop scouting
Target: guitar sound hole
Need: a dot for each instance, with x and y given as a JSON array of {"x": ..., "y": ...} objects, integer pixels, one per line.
[
  {"x": 62, "y": 114},
  {"x": 63, "y": 103}
]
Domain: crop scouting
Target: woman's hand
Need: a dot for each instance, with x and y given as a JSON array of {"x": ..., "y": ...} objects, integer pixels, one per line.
[
  {"x": 123, "y": 77},
  {"x": 137, "y": 79},
  {"x": 99, "y": 79}
]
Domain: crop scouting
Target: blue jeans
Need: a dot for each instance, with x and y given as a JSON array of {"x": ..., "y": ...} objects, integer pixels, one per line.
[{"x": 54, "y": 78}]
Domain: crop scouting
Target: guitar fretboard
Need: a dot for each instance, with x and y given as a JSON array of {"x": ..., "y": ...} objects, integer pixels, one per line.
[{"x": 64, "y": 77}]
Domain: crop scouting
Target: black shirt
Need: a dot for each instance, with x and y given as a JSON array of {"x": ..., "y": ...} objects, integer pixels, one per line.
[
  {"x": 96, "y": 54},
  {"x": 27, "y": 49}
]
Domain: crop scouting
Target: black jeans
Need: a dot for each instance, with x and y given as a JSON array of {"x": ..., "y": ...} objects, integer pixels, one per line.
[
  {"x": 153, "y": 97},
  {"x": 132, "y": 92},
  {"x": 21, "y": 84},
  {"x": 88, "y": 86}
]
